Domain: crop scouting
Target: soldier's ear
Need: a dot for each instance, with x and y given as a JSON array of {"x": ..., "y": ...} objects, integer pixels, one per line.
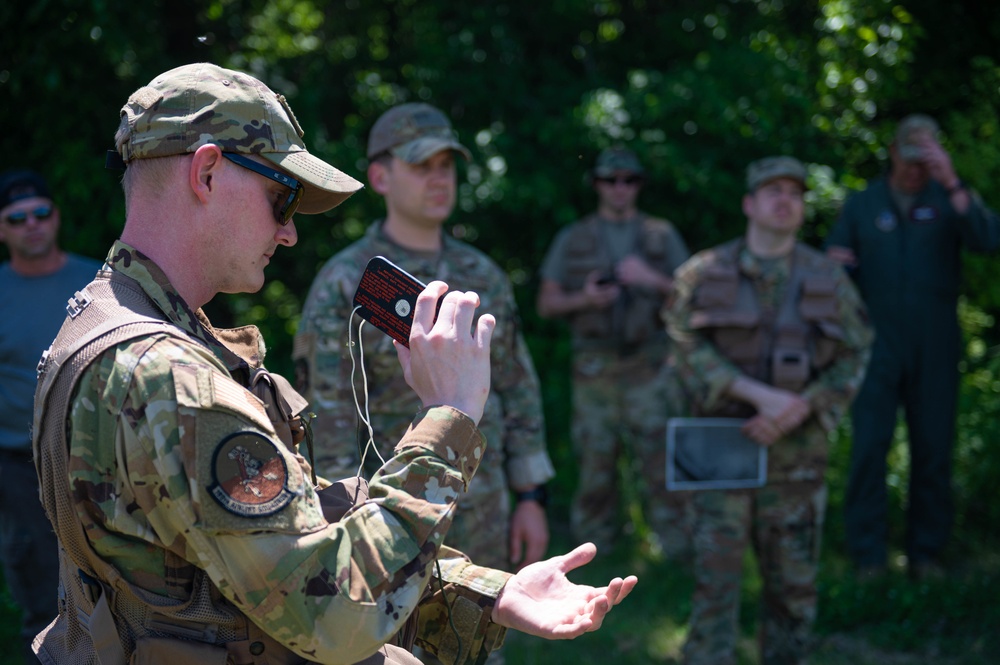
[
  {"x": 378, "y": 177},
  {"x": 205, "y": 166}
]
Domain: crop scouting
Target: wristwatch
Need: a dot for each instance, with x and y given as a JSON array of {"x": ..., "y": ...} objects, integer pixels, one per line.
[{"x": 539, "y": 494}]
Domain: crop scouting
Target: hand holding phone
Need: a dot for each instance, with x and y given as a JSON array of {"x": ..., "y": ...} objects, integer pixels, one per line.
[{"x": 450, "y": 361}]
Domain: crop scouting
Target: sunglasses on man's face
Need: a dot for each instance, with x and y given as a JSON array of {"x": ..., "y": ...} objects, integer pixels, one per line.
[
  {"x": 41, "y": 213},
  {"x": 283, "y": 209},
  {"x": 631, "y": 180}
]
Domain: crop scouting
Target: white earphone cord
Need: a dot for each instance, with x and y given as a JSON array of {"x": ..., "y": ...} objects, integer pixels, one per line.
[{"x": 364, "y": 413}]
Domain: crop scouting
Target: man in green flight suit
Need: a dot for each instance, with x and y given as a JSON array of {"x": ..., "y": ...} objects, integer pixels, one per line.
[
  {"x": 770, "y": 330},
  {"x": 167, "y": 455},
  {"x": 901, "y": 239}
]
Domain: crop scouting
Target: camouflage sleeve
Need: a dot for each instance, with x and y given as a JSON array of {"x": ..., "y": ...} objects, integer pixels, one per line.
[
  {"x": 831, "y": 392},
  {"x": 554, "y": 264},
  {"x": 702, "y": 370},
  {"x": 323, "y": 370},
  {"x": 193, "y": 466},
  {"x": 454, "y": 621},
  {"x": 515, "y": 381},
  {"x": 677, "y": 250}
]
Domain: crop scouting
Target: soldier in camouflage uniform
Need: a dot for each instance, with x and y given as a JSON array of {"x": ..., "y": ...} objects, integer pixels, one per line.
[
  {"x": 769, "y": 330},
  {"x": 608, "y": 275},
  {"x": 190, "y": 527},
  {"x": 412, "y": 151}
]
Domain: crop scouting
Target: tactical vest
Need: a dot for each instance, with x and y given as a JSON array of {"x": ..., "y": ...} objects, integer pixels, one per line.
[
  {"x": 635, "y": 317},
  {"x": 103, "y": 619},
  {"x": 785, "y": 348}
]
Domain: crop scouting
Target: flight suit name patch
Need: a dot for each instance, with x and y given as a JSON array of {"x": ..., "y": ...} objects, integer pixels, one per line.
[
  {"x": 886, "y": 221},
  {"x": 249, "y": 475},
  {"x": 924, "y": 214}
]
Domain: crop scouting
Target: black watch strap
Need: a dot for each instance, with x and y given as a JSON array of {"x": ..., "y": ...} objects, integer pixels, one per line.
[{"x": 539, "y": 494}]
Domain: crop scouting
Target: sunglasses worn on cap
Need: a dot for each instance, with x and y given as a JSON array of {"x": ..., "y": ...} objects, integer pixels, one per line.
[
  {"x": 283, "y": 210},
  {"x": 631, "y": 180},
  {"x": 41, "y": 213}
]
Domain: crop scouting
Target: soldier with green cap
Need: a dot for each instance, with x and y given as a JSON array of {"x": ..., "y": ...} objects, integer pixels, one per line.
[
  {"x": 608, "y": 275},
  {"x": 902, "y": 239},
  {"x": 772, "y": 331},
  {"x": 412, "y": 149},
  {"x": 192, "y": 530}
]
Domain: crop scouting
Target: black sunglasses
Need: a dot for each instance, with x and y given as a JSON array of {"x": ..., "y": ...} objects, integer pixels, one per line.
[
  {"x": 282, "y": 212},
  {"x": 41, "y": 213},
  {"x": 616, "y": 180}
]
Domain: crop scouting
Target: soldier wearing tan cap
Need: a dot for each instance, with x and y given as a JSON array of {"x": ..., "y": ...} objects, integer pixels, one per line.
[
  {"x": 607, "y": 275},
  {"x": 771, "y": 331},
  {"x": 191, "y": 528},
  {"x": 412, "y": 150}
]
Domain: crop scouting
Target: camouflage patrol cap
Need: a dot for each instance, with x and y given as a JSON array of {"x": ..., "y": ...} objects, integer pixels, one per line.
[
  {"x": 200, "y": 104},
  {"x": 770, "y": 168},
  {"x": 616, "y": 158},
  {"x": 908, "y": 133},
  {"x": 413, "y": 132}
]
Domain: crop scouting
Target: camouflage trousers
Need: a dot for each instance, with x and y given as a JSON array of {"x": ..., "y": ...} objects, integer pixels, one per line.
[
  {"x": 784, "y": 522},
  {"x": 620, "y": 411}
]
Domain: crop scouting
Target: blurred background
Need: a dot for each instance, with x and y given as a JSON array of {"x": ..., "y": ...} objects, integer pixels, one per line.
[{"x": 697, "y": 88}]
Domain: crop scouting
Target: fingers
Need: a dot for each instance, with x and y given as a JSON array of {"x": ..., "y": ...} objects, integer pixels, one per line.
[
  {"x": 403, "y": 354},
  {"x": 484, "y": 330},
  {"x": 617, "y": 590},
  {"x": 449, "y": 363},
  {"x": 843, "y": 255},
  {"x": 761, "y": 430},
  {"x": 456, "y": 310},
  {"x": 423, "y": 313},
  {"x": 534, "y": 551},
  {"x": 627, "y": 585},
  {"x": 516, "y": 547},
  {"x": 580, "y": 556}
]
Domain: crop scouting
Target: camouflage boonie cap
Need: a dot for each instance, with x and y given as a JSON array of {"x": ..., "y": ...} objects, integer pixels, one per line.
[
  {"x": 909, "y": 131},
  {"x": 770, "y": 168},
  {"x": 413, "y": 132},
  {"x": 200, "y": 104},
  {"x": 616, "y": 158}
]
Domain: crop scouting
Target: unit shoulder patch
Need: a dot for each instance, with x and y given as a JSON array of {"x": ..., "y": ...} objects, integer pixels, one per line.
[{"x": 249, "y": 475}]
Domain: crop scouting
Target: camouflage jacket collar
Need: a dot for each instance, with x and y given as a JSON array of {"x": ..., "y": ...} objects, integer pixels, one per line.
[
  {"x": 385, "y": 245},
  {"x": 766, "y": 270},
  {"x": 236, "y": 348}
]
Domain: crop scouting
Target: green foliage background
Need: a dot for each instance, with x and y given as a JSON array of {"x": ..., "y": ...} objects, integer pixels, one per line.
[{"x": 698, "y": 87}]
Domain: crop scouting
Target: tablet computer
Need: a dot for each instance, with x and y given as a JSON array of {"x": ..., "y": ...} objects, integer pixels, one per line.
[{"x": 712, "y": 453}]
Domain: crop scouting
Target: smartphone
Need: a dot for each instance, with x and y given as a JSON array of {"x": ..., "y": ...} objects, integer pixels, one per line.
[{"x": 386, "y": 298}]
